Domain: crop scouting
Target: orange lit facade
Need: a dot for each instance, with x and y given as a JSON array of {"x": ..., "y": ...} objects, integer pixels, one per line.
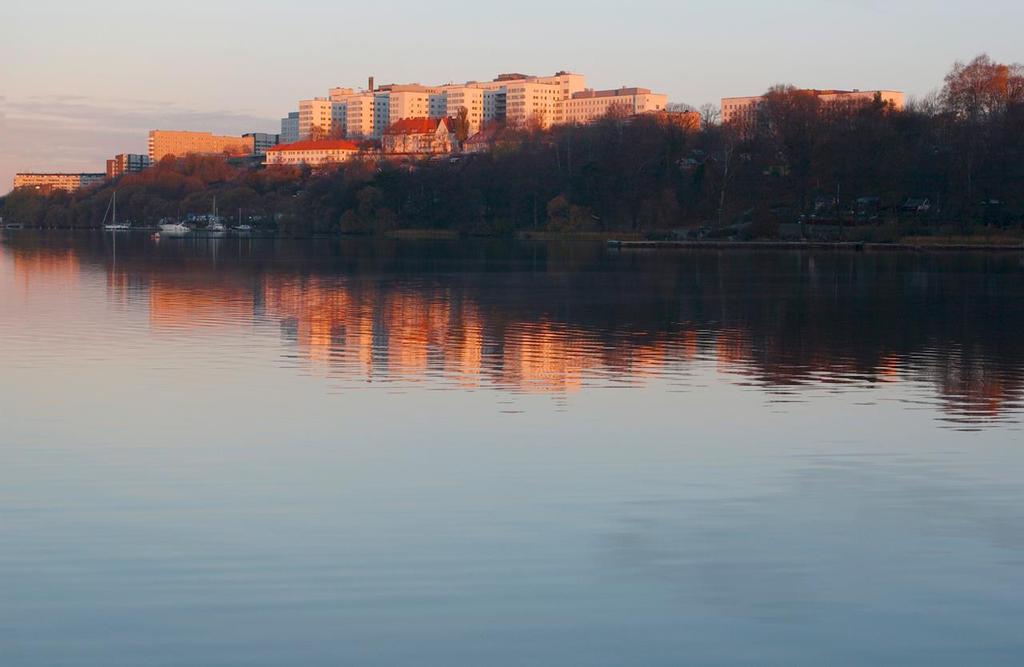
[
  {"x": 177, "y": 143},
  {"x": 312, "y": 153},
  {"x": 49, "y": 182}
]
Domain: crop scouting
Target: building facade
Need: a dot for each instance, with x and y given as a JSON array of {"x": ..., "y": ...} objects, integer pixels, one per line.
[
  {"x": 743, "y": 110},
  {"x": 49, "y": 182},
  {"x": 261, "y": 141},
  {"x": 290, "y": 128},
  {"x": 419, "y": 137},
  {"x": 312, "y": 153},
  {"x": 177, "y": 143},
  {"x": 589, "y": 105},
  {"x": 517, "y": 99},
  {"x": 125, "y": 163},
  {"x": 455, "y": 98},
  {"x": 326, "y": 116}
]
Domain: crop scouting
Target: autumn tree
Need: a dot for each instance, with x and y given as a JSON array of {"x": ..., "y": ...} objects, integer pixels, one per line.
[{"x": 982, "y": 89}]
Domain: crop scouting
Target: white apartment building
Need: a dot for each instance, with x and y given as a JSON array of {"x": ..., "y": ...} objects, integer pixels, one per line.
[
  {"x": 411, "y": 101},
  {"x": 462, "y": 97},
  {"x": 515, "y": 98},
  {"x": 519, "y": 99},
  {"x": 590, "y": 105},
  {"x": 321, "y": 112},
  {"x": 359, "y": 115},
  {"x": 744, "y": 109}
]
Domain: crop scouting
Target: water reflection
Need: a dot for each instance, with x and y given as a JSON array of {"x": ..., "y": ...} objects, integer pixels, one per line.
[{"x": 558, "y": 318}]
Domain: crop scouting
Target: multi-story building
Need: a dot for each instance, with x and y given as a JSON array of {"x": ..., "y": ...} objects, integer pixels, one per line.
[
  {"x": 589, "y": 105},
  {"x": 381, "y": 113},
  {"x": 312, "y": 153},
  {"x": 516, "y": 98},
  {"x": 419, "y": 136},
  {"x": 744, "y": 109},
  {"x": 179, "y": 143},
  {"x": 124, "y": 163},
  {"x": 454, "y": 98},
  {"x": 290, "y": 128},
  {"x": 360, "y": 115},
  {"x": 410, "y": 101},
  {"x": 48, "y": 182},
  {"x": 326, "y": 115},
  {"x": 262, "y": 141}
]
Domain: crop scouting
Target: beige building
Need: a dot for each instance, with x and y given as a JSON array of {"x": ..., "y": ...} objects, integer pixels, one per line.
[
  {"x": 359, "y": 115},
  {"x": 312, "y": 153},
  {"x": 516, "y": 98},
  {"x": 590, "y": 105},
  {"x": 462, "y": 97},
  {"x": 519, "y": 99},
  {"x": 179, "y": 143},
  {"x": 48, "y": 182},
  {"x": 744, "y": 109},
  {"x": 409, "y": 101},
  {"x": 326, "y": 114}
]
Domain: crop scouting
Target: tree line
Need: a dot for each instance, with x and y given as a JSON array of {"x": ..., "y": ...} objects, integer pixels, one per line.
[{"x": 957, "y": 155}]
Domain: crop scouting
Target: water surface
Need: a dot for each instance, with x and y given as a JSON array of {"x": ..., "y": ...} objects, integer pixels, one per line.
[{"x": 258, "y": 452}]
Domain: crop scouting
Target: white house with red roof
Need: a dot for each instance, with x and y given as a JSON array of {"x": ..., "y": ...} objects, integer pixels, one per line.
[
  {"x": 312, "y": 153},
  {"x": 419, "y": 136}
]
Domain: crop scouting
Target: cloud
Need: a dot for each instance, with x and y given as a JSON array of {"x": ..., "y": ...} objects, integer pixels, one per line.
[{"x": 76, "y": 133}]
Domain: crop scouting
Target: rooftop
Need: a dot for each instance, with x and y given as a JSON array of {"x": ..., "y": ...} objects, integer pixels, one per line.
[
  {"x": 617, "y": 92},
  {"x": 416, "y": 126},
  {"x": 329, "y": 145}
]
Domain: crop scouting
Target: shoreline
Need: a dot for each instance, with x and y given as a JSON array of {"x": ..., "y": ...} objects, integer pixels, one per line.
[
  {"x": 859, "y": 246},
  {"x": 621, "y": 242}
]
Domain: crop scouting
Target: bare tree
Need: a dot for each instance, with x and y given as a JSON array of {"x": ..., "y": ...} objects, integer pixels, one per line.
[
  {"x": 709, "y": 115},
  {"x": 462, "y": 125}
]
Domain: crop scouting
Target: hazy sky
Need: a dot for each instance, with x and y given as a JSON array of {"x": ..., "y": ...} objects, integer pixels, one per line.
[{"x": 83, "y": 79}]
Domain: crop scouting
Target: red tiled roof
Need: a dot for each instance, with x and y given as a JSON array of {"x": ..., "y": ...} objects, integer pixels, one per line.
[
  {"x": 416, "y": 126},
  {"x": 330, "y": 145}
]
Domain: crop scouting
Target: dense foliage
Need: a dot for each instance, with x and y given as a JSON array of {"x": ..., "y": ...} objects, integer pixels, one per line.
[{"x": 962, "y": 151}]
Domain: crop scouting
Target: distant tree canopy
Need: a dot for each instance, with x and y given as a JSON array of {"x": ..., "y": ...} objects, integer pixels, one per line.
[{"x": 963, "y": 151}]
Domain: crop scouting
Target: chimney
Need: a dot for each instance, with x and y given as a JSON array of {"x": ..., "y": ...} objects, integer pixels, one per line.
[{"x": 369, "y": 84}]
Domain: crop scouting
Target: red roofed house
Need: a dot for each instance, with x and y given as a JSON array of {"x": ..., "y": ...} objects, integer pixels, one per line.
[
  {"x": 312, "y": 153},
  {"x": 419, "y": 136}
]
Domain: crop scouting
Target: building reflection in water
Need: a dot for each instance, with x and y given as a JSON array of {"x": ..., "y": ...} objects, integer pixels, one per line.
[{"x": 530, "y": 319}]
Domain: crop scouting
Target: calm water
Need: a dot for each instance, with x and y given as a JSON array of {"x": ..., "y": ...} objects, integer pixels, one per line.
[{"x": 268, "y": 453}]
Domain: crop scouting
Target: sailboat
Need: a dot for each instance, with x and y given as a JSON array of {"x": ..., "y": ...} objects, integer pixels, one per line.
[
  {"x": 114, "y": 225},
  {"x": 215, "y": 225},
  {"x": 240, "y": 228}
]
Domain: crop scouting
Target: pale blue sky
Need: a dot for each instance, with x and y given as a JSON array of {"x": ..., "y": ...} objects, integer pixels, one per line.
[{"x": 84, "y": 79}]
